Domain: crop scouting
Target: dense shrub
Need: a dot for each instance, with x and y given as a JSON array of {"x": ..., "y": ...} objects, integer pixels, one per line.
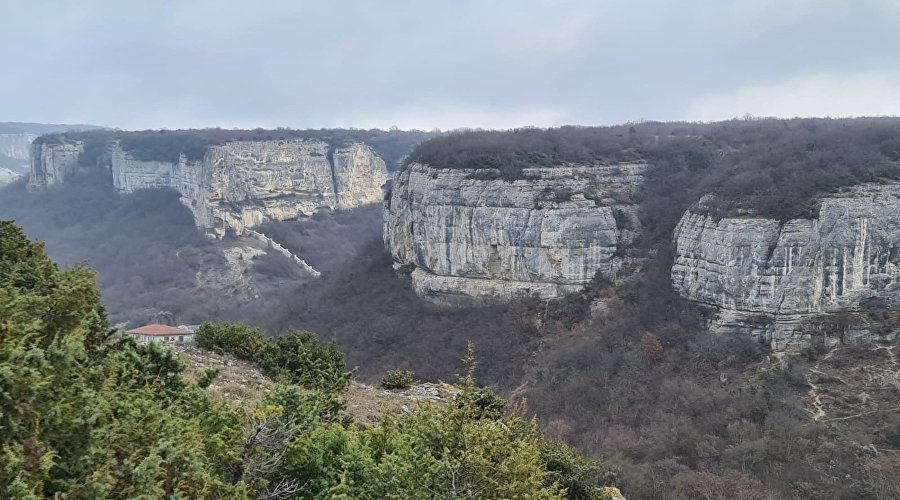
[
  {"x": 117, "y": 420},
  {"x": 882, "y": 479},
  {"x": 514, "y": 150},
  {"x": 74, "y": 392},
  {"x": 730, "y": 486},
  {"x": 397, "y": 380},
  {"x": 434, "y": 451},
  {"x": 242, "y": 341},
  {"x": 302, "y": 359},
  {"x": 578, "y": 474},
  {"x": 772, "y": 167}
]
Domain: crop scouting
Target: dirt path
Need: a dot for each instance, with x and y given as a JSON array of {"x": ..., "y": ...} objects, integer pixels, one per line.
[
  {"x": 818, "y": 412},
  {"x": 851, "y": 382}
]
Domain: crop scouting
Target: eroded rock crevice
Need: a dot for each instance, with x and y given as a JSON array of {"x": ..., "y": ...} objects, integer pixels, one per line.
[
  {"x": 469, "y": 235},
  {"x": 236, "y": 185},
  {"x": 786, "y": 281}
]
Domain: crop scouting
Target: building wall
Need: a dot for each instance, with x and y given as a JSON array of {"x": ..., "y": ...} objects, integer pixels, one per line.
[{"x": 186, "y": 338}]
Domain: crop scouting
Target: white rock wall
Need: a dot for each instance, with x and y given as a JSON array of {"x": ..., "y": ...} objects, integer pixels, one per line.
[
  {"x": 52, "y": 163},
  {"x": 7, "y": 176},
  {"x": 359, "y": 175},
  {"x": 16, "y": 146},
  {"x": 468, "y": 236},
  {"x": 754, "y": 268},
  {"x": 241, "y": 184}
]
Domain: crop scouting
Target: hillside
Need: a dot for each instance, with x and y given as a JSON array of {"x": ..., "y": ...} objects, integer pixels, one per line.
[
  {"x": 93, "y": 414},
  {"x": 43, "y": 128},
  {"x": 241, "y": 382},
  {"x": 625, "y": 367},
  {"x": 774, "y": 168},
  {"x": 15, "y": 145},
  {"x": 152, "y": 262}
]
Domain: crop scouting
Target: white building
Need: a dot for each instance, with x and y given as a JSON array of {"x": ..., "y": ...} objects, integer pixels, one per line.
[{"x": 162, "y": 334}]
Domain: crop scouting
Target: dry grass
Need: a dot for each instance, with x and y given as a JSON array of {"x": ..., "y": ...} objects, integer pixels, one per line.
[
  {"x": 242, "y": 383},
  {"x": 239, "y": 382},
  {"x": 367, "y": 404}
]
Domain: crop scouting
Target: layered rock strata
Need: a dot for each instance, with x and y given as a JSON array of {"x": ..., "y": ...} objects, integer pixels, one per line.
[
  {"x": 16, "y": 146},
  {"x": 52, "y": 163},
  {"x": 787, "y": 281},
  {"x": 239, "y": 184},
  {"x": 465, "y": 234}
]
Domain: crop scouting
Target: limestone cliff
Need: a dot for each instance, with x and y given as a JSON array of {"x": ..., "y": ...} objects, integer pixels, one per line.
[
  {"x": 16, "y": 146},
  {"x": 15, "y": 149},
  {"x": 235, "y": 185},
  {"x": 51, "y": 163},
  {"x": 465, "y": 233},
  {"x": 240, "y": 184},
  {"x": 8, "y": 176},
  {"x": 775, "y": 279}
]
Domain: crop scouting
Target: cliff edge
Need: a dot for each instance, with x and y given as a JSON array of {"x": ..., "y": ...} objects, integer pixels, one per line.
[
  {"x": 465, "y": 233},
  {"x": 233, "y": 186},
  {"x": 779, "y": 280}
]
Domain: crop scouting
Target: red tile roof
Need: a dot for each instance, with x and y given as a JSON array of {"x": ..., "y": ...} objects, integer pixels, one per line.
[{"x": 157, "y": 329}]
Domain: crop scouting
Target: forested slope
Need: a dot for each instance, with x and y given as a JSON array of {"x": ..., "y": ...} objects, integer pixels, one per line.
[
  {"x": 87, "y": 413},
  {"x": 627, "y": 369}
]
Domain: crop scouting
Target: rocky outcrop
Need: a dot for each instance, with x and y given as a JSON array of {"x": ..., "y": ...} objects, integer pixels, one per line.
[
  {"x": 8, "y": 176},
  {"x": 51, "y": 163},
  {"x": 284, "y": 252},
  {"x": 239, "y": 184},
  {"x": 466, "y": 234},
  {"x": 15, "y": 151},
  {"x": 786, "y": 281},
  {"x": 359, "y": 175},
  {"x": 16, "y": 146}
]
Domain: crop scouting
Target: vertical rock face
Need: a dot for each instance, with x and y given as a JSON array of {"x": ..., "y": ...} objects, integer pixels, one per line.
[
  {"x": 15, "y": 150},
  {"x": 768, "y": 278},
  {"x": 358, "y": 176},
  {"x": 16, "y": 146},
  {"x": 465, "y": 235},
  {"x": 130, "y": 175},
  {"x": 52, "y": 163},
  {"x": 251, "y": 182},
  {"x": 238, "y": 185}
]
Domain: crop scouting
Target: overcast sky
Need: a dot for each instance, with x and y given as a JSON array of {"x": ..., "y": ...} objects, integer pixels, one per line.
[{"x": 443, "y": 63}]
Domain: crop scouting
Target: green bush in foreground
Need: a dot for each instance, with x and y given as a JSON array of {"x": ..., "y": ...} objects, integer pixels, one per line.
[
  {"x": 242, "y": 341},
  {"x": 88, "y": 414},
  {"x": 301, "y": 359},
  {"x": 397, "y": 380}
]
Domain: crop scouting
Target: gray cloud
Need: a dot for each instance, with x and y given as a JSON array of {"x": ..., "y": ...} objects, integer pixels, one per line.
[{"x": 443, "y": 63}]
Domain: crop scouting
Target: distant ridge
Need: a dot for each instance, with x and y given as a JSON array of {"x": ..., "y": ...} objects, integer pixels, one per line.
[{"x": 43, "y": 128}]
